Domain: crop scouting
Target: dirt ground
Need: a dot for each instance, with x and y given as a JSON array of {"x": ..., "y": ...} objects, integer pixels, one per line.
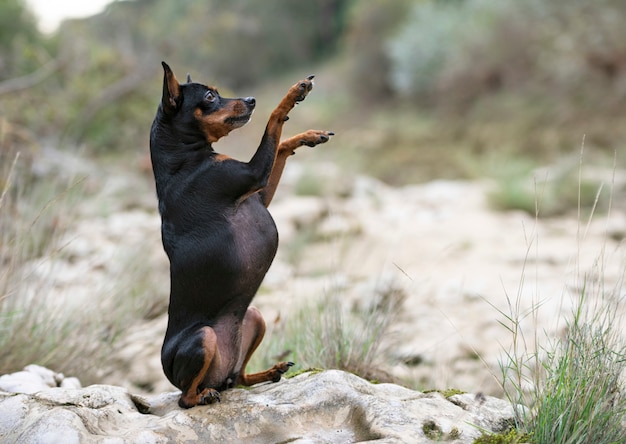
[{"x": 461, "y": 266}]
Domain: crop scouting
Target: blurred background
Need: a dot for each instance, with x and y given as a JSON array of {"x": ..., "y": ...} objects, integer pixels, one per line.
[
  {"x": 416, "y": 91},
  {"x": 429, "y": 89}
]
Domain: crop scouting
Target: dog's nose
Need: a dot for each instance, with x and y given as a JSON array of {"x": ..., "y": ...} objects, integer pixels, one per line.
[{"x": 250, "y": 101}]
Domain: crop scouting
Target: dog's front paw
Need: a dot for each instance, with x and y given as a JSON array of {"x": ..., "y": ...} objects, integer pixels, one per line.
[
  {"x": 315, "y": 137},
  {"x": 300, "y": 90}
]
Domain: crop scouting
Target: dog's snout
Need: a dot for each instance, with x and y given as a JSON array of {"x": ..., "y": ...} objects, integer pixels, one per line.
[{"x": 250, "y": 101}]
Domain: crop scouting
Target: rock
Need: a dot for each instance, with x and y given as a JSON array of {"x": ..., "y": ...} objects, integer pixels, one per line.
[
  {"x": 329, "y": 407},
  {"x": 47, "y": 376},
  {"x": 35, "y": 378},
  {"x": 70, "y": 383},
  {"x": 22, "y": 382},
  {"x": 458, "y": 263}
]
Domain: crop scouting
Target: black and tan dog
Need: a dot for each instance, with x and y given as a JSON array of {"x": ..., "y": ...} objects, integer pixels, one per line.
[{"x": 217, "y": 232}]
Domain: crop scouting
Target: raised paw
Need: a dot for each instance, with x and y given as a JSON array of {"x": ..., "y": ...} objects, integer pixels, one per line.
[
  {"x": 300, "y": 90},
  {"x": 280, "y": 369},
  {"x": 308, "y": 138},
  {"x": 315, "y": 137}
]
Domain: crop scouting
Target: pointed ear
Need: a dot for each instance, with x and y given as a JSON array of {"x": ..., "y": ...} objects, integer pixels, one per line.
[
  {"x": 171, "y": 89},
  {"x": 189, "y": 78}
]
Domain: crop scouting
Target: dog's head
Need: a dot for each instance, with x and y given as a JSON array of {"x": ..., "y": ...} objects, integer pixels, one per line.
[{"x": 198, "y": 110}]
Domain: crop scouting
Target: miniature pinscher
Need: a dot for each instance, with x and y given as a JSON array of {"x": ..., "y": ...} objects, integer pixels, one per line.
[{"x": 217, "y": 232}]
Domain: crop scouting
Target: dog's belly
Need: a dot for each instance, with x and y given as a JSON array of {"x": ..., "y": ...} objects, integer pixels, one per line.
[
  {"x": 218, "y": 265},
  {"x": 255, "y": 242}
]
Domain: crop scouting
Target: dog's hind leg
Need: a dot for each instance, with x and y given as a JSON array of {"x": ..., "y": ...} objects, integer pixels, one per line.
[
  {"x": 253, "y": 330},
  {"x": 194, "y": 360},
  {"x": 285, "y": 149}
]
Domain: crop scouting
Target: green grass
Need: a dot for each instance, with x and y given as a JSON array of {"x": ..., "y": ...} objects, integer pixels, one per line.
[
  {"x": 34, "y": 328},
  {"x": 577, "y": 383},
  {"x": 573, "y": 384},
  {"x": 327, "y": 334},
  {"x": 511, "y": 437},
  {"x": 582, "y": 399},
  {"x": 447, "y": 393},
  {"x": 38, "y": 321},
  {"x": 548, "y": 193},
  {"x": 577, "y": 393}
]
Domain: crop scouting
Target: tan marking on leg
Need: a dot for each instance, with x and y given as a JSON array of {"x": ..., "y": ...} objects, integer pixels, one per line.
[
  {"x": 253, "y": 332},
  {"x": 192, "y": 395}
]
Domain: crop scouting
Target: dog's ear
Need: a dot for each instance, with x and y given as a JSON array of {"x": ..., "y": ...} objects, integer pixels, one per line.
[{"x": 171, "y": 89}]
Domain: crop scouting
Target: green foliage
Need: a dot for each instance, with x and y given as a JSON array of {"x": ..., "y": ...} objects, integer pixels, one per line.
[
  {"x": 434, "y": 432},
  {"x": 576, "y": 392},
  {"x": 18, "y": 34},
  {"x": 582, "y": 399},
  {"x": 459, "y": 51},
  {"x": 15, "y": 20},
  {"x": 312, "y": 371},
  {"x": 423, "y": 46},
  {"x": 447, "y": 393},
  {"x": 523, "y": 79},
  {"x": 325, "y": 334},
  {"x": 419, "y": 88},
  {"x": 546, "y": 193},
  {"x": 368, "y": 67},
  {"x": 33, "y": 328},
  {"x": 513, "y": 436},
  {"x": 237, "y": 42},
  {"x": 106, "y": 90},
  {"x": 39, "y": 322}
]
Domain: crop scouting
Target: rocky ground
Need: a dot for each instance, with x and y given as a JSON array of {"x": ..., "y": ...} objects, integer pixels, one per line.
[
  {"x": 458, "y": 270},
  {"x": 461, "y": 267},
  {"x": 313, "y": 407}
]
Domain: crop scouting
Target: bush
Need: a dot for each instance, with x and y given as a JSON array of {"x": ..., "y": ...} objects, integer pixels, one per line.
[
  {"x": 371, "y": 24},
  {"x": 455, "y": 52}
]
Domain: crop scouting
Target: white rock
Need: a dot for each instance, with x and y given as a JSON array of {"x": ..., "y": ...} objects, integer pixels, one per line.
[
  {"x": 327, "y": 407},
  {"x": 22, "y": 382},
  {"x": 70, "y": 383},
  {"x": 35, "y": 378},
  {"x": 46, "y": 375}
]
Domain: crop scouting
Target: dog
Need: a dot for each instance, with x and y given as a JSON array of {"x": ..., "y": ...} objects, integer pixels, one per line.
[{"x": 217, "y": 232}]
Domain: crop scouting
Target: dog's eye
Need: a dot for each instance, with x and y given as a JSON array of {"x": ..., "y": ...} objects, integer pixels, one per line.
[{"x": 210, "y": 96}]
